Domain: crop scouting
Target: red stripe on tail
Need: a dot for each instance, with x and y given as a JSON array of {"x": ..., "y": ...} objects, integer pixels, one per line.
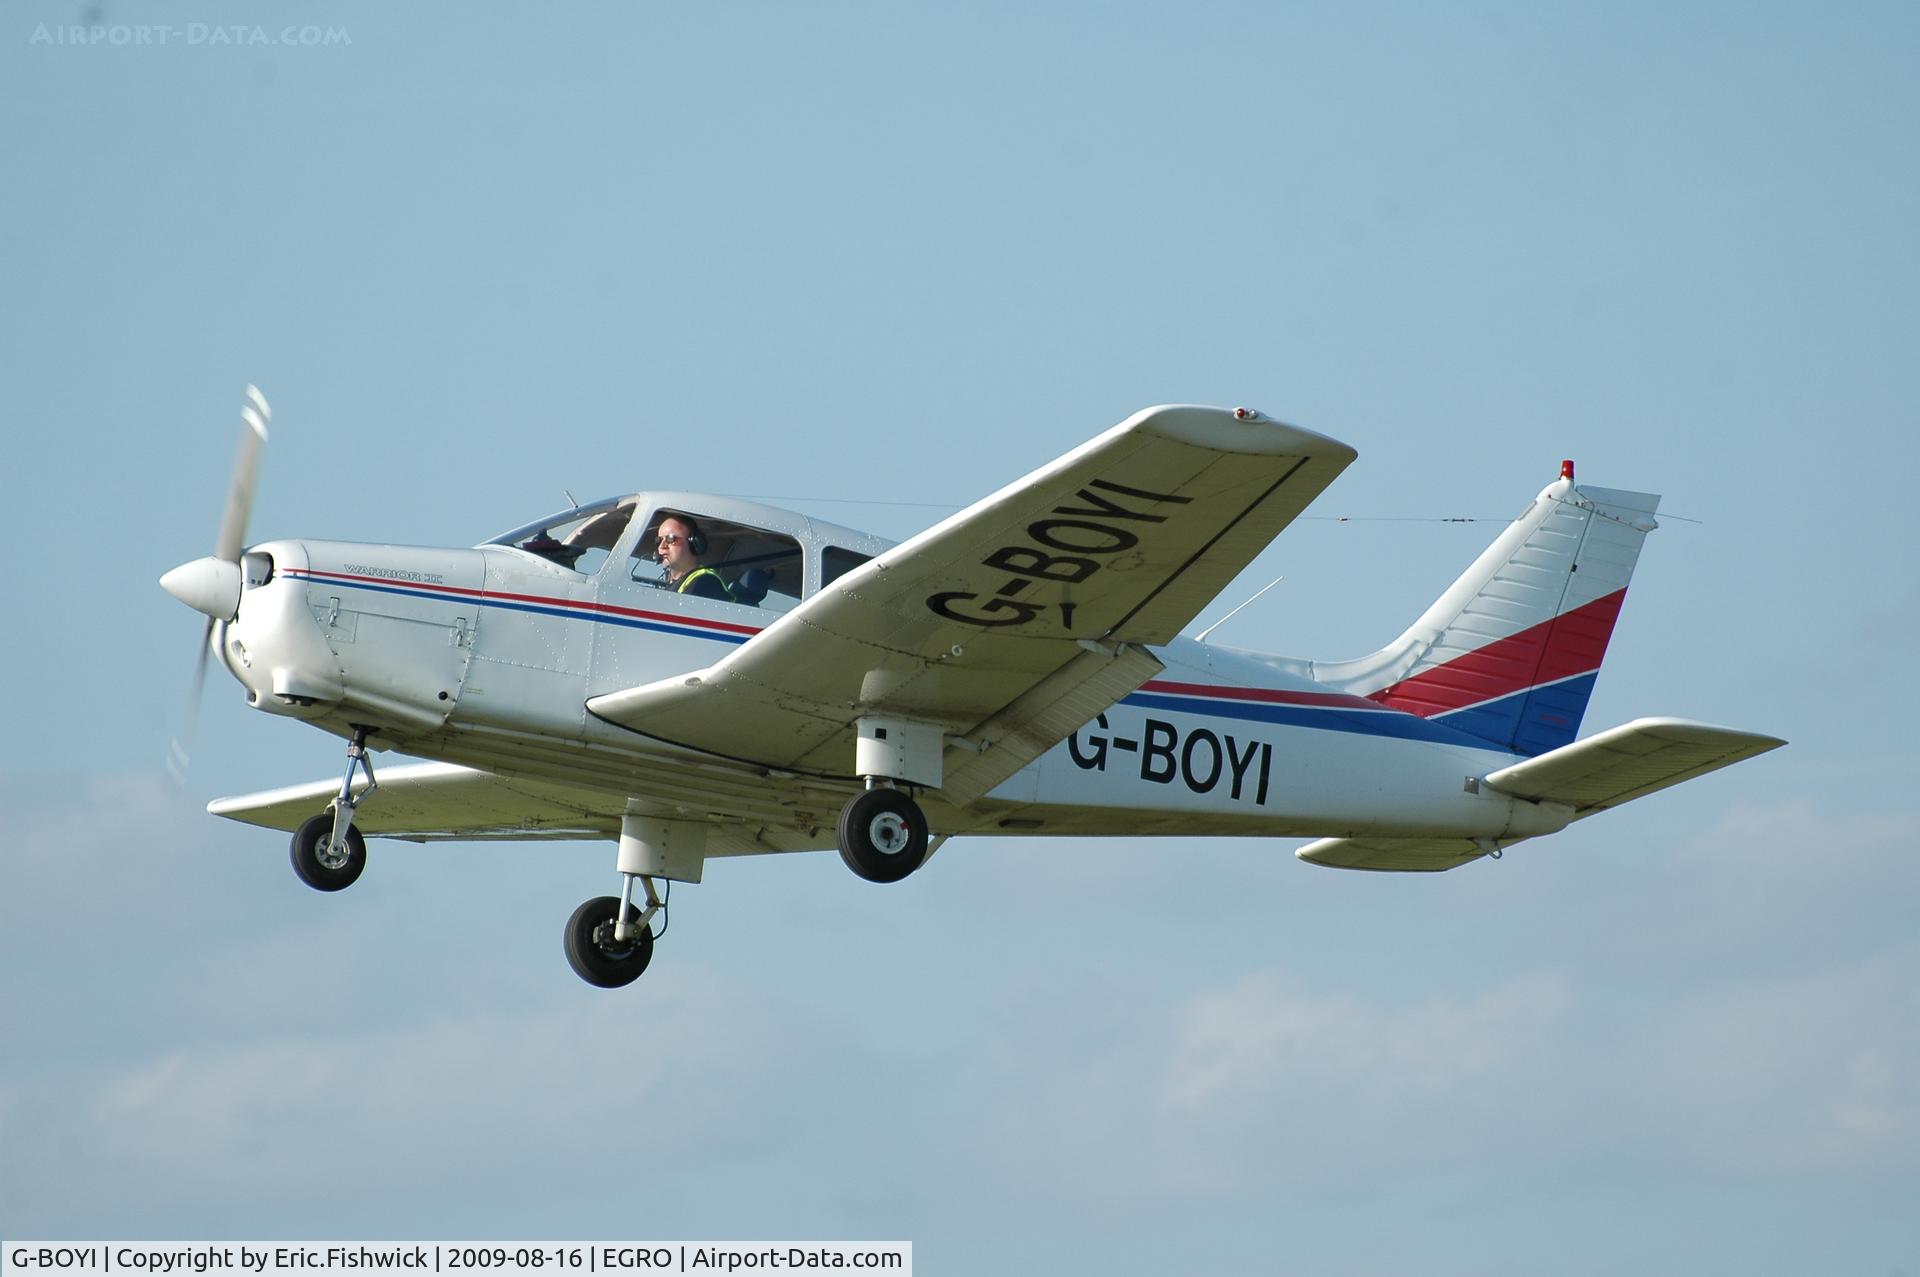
[{"x": 1569, "y": 644}]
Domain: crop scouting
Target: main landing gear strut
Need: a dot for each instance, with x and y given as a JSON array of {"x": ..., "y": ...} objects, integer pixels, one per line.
[
  {"x": 328, "y": 852},
  {"x": 882, "y": 832},
  {"x": 883, "y": 835}
]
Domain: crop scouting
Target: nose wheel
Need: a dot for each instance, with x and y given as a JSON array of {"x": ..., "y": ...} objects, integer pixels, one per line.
[
  {"x": 595, "y": 950},
  {"x": 883, "y": 835},
  {"x": 609, "y": 939},
  {"x": 324, "y": 862}
]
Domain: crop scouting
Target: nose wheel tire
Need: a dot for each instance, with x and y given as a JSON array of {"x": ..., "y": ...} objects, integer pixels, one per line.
[
  {"x": 322, "y": 865},
  {"x": 883, "y": 835},
  {"x": 595, "y": 955}
]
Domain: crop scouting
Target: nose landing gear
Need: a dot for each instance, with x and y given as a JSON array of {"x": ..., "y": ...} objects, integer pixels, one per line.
[
  {"x": 610, "y": 940},
  {"x": 324, "y": 861},
  {"x": 328, "y": 852}
]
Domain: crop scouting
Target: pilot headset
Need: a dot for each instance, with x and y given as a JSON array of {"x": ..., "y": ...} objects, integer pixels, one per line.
[{"x": 696, "y": 539}]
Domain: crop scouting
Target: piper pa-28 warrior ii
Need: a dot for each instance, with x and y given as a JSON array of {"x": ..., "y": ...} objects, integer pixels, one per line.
[{"x": 1017, "y": 668}]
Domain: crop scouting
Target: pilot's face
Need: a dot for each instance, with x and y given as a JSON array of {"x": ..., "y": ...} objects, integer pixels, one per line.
[{"x": 675, "y": 555}]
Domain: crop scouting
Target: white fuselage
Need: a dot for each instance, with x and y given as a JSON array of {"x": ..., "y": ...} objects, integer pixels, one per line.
[{"x": 487, "y": 657}]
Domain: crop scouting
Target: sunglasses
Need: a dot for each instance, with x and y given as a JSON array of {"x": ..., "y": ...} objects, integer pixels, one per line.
[{"x": 671, "y": 539}]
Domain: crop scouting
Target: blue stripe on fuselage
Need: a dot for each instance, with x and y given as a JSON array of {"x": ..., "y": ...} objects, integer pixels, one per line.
[
  {"x": 538, "y": 609},
  {"x": 1390, "y": 723}
]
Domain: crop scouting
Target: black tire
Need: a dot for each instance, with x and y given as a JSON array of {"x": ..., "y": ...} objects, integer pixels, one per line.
[
  {"x": 605, "y": 965},
  {"x": 883, "y": 835},
  {"x": 307, "y": 841}
]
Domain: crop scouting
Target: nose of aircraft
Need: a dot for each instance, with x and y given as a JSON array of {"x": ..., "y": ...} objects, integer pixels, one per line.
[{"x": 210, "y": 585}]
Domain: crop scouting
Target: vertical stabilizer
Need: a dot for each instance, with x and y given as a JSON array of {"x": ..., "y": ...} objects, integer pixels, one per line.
[{"x": 1510, "y": 652}]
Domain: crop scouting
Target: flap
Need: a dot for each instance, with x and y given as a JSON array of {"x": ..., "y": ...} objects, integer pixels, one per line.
[
  {"x": 1116, "y": 545},
  {"x": 1628, "y": 762}
]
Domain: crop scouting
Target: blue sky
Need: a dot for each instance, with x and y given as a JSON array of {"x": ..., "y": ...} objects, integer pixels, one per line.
[{"x": 901, "y": 254}]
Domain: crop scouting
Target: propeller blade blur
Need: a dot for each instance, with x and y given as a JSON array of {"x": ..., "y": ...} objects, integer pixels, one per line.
[
  {"x": 212, "y": 585},
  {"x": 180, "y": 749},
  {"x": 254, "y": 416}
]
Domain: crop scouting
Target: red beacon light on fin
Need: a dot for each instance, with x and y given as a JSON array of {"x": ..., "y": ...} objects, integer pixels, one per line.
[{"x": 1566, "y": 469}]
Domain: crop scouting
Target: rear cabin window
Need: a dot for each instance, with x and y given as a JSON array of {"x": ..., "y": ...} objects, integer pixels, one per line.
[
  {"x": 836, "y": 563},
  {"x": 760, "y": 568}
]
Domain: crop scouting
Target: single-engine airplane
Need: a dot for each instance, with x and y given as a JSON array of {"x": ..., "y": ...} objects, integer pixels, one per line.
[{"x": 1017, "y": 668}]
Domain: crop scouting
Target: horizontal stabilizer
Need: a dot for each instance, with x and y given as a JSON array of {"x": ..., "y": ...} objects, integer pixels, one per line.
[
  {"x": 1393, "y": 855},
  {"x": 1592, "y": 775},
  {"x": 1628, "y": 762}
]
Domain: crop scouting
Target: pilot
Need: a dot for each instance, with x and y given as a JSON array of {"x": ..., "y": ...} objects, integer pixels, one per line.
[{"x": 679, "y": 545}]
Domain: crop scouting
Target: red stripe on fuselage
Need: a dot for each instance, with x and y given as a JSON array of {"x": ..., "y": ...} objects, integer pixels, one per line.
[
  {"x": 1269, "y": 695},
  {"x": 604, "y": 609},
  {"x": 1570, "y": 644}
]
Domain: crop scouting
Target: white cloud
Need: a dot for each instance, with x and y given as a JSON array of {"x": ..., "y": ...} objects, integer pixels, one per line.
[
  {"x": 1735, "y": 1005},
  {"x": 1265, "y": 1035},
  {"x": 1808, "y": 1074},
  {"x": 1258, "y": 1083},
  {"x": 448, "y": 1116}
]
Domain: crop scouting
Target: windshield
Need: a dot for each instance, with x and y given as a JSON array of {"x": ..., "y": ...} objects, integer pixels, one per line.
[{"x": 579, "y": 538}]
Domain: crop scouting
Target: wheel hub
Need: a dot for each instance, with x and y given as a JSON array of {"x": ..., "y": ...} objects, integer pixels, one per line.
[
  {"x": 603, "y": 941},
  {"x": 889, "y": 833},
  {"x": 332, "y": 852}
]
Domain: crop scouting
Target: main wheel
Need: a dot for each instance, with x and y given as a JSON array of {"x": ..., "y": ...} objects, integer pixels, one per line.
[
  {"x": 323, "y": 867},
  {"x": 595, "y": 955},
  {"x": 883, "y": 835}
]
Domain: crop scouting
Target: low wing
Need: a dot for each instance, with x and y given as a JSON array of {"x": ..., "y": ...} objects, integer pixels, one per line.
[
  {"x": 1016, "y": 620},
  {"x": 1590, "y": 776},
  {"x": 437, "y": 802},
  {"x": 429, "y": 802}
]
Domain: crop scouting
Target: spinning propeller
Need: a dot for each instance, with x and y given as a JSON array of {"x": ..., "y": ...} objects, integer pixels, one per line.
[{"x": 212, "y": 584}]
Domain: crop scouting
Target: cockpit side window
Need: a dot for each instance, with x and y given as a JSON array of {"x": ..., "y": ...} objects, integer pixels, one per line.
[
  {"x": 580, "y": 538},
  {"x": 758, "y": 568}
]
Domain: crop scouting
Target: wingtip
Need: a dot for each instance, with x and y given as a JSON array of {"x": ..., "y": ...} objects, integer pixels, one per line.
[{"x": 1242, "y": 430}]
